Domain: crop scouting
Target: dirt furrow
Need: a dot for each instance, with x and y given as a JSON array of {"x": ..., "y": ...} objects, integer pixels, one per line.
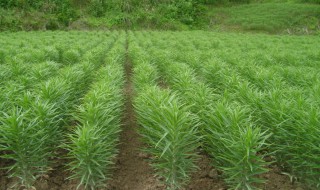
[{"x": 132, "y": 168}]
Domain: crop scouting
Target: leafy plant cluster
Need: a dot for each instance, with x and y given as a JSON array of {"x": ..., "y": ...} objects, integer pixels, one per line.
[
  {"x": 63, "y": 9},
  {"x": 92, "y": 144},
  {"x": 235, "y": 144},
  {"x": 34, "y": 115},
  {"x": 274, "y": 93},
  {"x": 166, "y": 126},
  {"x": 26, "y": 63},
  {"x": 251, "y": 102}
]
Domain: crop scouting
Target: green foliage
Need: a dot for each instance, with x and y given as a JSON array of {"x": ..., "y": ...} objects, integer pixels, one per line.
[
  {"x": 243, "y": 96},
  {"x": 220, "y": 2},
  {"x": 41, "y": 135},
  {"x": 92, "y": 144},
  {"x": 48, "y": 5},
  {"x": 17, "y": 129},
  {"x": 167, "y": 127},
  {"x": 62, "y": 9},
  {"x": 268, "y": 17},
  {"x": 236, "y": 145},
  {"x": 65, "y": 12},
  {"x": 97, "y": 8},
  {"x": 2, "y": 57},
  {"x": 171, "y": 133},
  {"x": 259, "y": 91},
  {"x": 301, "y": 119},
  {"x": 51, "y": 54},
  {"x": 185, "y": 11},
  {"x": 274, "y": 85},
  {"x": 39, "y": 101},
  {"x": 311, "y": 1},
  {"x": 247, "y": 15},
  {"x": 70, "y": 56}
]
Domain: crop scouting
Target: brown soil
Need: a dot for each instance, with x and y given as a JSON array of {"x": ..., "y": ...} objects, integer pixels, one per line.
[
  {"x": 136, "y": 174},
  {"x": 162, "y": 84},
  {"x": 132, "y": 168},
  {"x": 57, "y": 178},
  {"x": 3, "y": 179},
  {"x": 206, "y": 178},
  {"x": 276, "y": 180}
]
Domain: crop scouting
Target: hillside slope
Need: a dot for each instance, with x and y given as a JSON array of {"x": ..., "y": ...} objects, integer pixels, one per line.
[
  {"x": 272, "y": 18},
  {"x": 267, "y": 17}
]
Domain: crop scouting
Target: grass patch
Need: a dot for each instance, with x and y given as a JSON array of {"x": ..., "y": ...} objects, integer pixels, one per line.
[{"x": 267, "y": 17}]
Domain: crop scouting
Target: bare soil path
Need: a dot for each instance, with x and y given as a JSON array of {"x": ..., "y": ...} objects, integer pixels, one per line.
[{"x": 132, "y": 168}]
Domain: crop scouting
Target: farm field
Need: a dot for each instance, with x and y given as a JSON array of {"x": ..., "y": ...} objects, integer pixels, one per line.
[{"x": 159, "y": 110}]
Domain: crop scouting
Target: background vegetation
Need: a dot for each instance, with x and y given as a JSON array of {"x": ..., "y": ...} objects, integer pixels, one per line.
[{"x": 272, "y": 16}]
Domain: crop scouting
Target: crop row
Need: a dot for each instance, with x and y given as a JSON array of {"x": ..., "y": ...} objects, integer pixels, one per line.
[
  {"x": 228, "y": 133},
  {"x": 166, "y": 125},
  {"x": 288, "y": 113},
  {"x": 21, "y": 61},
  {"x": 32, "y": 124},
  {"x": 92, "y": 144}
]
